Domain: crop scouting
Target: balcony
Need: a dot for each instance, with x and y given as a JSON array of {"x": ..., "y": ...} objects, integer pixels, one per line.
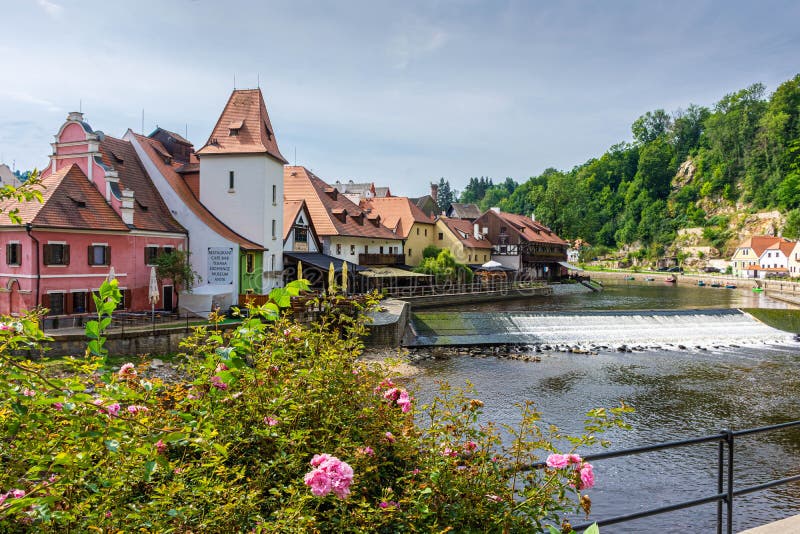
[{"x": 381, "y": 259}]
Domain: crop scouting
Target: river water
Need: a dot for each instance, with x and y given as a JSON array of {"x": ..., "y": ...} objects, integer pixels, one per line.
[{"x": 677, "y": 394}]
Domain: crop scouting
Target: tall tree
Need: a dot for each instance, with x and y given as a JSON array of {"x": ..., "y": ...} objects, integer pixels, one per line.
[{"x": 446, "y": 196}]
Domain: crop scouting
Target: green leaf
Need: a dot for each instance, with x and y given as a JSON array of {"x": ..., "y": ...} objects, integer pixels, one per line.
[
  {"x": 149, "y": 469},
  {"x": 112, "y": 445},
  {"x": 594, "y": 529}
]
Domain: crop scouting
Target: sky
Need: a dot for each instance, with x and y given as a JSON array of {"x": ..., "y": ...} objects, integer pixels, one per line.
[{"x": 399, "y": 93}]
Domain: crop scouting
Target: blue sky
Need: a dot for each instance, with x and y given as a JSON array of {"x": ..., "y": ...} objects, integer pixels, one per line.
[{"x": 400, "y": 93}]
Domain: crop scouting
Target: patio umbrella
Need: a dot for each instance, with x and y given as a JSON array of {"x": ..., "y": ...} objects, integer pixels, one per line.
[
  {"x": 344, "y": 278},
  {"x": 152, "y": 293},
  {"x": 331, "y": 279},
  {"x": 299, "y": 270},
  {"x": 111, "y": 274}
]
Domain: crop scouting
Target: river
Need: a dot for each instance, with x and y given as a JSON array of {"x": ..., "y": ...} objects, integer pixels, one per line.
[{"x": 677, "y": 394}]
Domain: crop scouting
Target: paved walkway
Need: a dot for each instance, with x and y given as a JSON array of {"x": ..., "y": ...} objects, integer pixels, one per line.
[{"x": 789, "y": 525}]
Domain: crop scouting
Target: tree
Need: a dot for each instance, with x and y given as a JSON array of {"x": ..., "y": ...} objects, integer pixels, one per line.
[
  {"x": 431, "y": 251},
  {"x": 445, "y": 268},
  {"x": 175, "y": 266},
  {"x": 445, "y": 196},
  {"x": 651, "y": 126}
]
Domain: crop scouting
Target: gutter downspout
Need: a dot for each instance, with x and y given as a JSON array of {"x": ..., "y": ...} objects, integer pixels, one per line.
[{"x": 28, "y": 229}]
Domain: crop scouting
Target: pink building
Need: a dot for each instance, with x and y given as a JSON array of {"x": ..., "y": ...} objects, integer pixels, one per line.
[{"x": 100, "y": 210}]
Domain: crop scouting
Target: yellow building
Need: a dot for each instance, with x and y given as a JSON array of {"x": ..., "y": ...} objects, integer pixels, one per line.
[
  {"x": 407, "y": 221},
  {"x": 463, "y": 239}
]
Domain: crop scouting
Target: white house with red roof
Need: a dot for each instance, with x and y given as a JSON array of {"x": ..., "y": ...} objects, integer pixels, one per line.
[
  {"x": 774, "y": 260},
  {"x": 100, "y": 210},
  {"x": 241, "y": 180}
]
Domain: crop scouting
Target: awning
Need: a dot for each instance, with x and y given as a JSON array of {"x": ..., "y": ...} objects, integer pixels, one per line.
[
  {"x": 322, "y": 261},
  {"x": 569, "y": 266},
  {"x": 391, "y": 272}
]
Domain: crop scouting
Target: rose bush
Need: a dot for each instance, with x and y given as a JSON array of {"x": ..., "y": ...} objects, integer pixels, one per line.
[{"x": 279, "y": 429}]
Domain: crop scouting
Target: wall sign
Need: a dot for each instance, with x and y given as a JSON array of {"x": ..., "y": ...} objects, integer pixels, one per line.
[{"x": 220, "y": 266}]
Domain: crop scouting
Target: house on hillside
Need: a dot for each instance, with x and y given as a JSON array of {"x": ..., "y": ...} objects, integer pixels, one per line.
[
  {"x": 241, "y": 183},
  {"x": 523, "y": 244},
  {"x": 345, "y": 230},
  {"x": 464, "y": 240},
  {"x": 100, "y": 210},
  {"x": 407, "y": 221},
  {"x": 747, "y": 255},
  {"x": 774, "y": 260},
  {"x": 357, "y": 192}
]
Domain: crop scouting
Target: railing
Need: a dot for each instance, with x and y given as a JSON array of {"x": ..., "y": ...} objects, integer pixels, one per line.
[
  {"x": 381, "y": 259},
  {"x": 255, "y": 300},
  {"x": 725, "y": 469},
  {"x": 455, "y": 289}
]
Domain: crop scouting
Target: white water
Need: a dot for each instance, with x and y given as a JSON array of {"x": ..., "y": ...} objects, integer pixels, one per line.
[{"x": 689, "y": 328}]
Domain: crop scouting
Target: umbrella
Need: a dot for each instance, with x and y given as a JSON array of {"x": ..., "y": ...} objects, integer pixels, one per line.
[
  {"x": 152, "y": 293},
  {"x": 111, "y": 274},
  {"x": 299, "y": 270},
  {"x": 331, "y": 279},
  {"x": 344, "y": 278}
]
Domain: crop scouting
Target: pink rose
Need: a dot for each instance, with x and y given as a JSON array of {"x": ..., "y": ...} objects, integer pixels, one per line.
[
  {"x": 58, "y": 406},
  {"x": 161, "y": 447},
  {"x": 221, "y": 367},
  {"x": 389, "y": 437},
  {"x": 17, "y": 493},
  {"x": 404, "y": 401},
  {"x": 574, "y": 459},
  {"x": 113, "y": 409},
  {"x": 384, "y": 504},
  {"x": 28, "y": 392},
  {"x": 127, "y": 370},
  {"x": 470, "y": 446},
  {"x": 331, "y": 475},
  {"x": 557, "y": 461},
  {"x": 392, "y": 394},
  {"x": 587, "y": 476},
  {"x": 271, "y": 421},
  {"x": 366, "y": 451},
  {"x": 134, "y": 409},
  {"x": 218, "y": 383}
]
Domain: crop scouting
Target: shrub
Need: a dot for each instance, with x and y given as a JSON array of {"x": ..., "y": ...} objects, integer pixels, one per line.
[{"x": 280, "y": 428}]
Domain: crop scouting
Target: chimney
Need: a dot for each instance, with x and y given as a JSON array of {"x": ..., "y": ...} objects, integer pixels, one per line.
[
  {"x": 496, "y": 209},
  {"x": 126, "y": 210},
  {"x": 435, "y": 193},
  {"x": 75, "y": 116},
  {"x": 533, "y": 217},
  {"x": 476, "y": 230}
]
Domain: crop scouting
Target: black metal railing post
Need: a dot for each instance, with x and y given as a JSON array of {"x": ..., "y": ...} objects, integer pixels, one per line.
[
  {"x": 729, "y": 440},
  {"x": 720, "y": 469}
]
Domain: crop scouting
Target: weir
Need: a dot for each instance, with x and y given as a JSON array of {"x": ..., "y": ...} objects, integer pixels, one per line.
[{"x": 680, "y": 328}]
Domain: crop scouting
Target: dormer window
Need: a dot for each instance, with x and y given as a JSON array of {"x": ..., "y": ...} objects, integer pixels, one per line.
[
  {"x": 234, "y": 127},
  {"x": 234, "y": 132}
]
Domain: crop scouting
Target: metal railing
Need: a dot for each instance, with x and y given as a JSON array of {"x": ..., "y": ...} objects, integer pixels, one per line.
[
  {"x": 725, "y": 470},
  {"x": 455, "y": 289}
]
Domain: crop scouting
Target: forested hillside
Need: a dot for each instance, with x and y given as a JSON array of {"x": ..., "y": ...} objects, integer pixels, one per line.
[{"x": 695, "y": 167}]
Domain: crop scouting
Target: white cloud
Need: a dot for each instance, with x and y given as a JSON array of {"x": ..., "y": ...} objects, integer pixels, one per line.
[
  {"x": 415, "y": 41},
  {"x": 51, "y": 8},
  {"x": 28, "y": 98}
]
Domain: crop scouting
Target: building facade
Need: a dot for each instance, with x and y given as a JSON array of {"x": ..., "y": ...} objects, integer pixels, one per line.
[{"x": 407, "y": 221}]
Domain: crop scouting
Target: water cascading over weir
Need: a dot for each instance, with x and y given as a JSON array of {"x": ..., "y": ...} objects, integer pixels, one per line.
[{"x": 611, "y": 329}]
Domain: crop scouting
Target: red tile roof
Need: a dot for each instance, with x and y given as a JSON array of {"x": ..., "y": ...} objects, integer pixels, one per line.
[
  {"x": 398, "y": 213},
  {"x": 149, "y": 210},
  {"x": 153, "y": 149},
  {"x": 464, "y": 230},
  {"x": 69, "y": 200},
  {"x": 291, "y": 208},
  {"x": 331, "y": 212},
  {"x": 528, "y": 229},
  {"x": 246, "y": 113}
]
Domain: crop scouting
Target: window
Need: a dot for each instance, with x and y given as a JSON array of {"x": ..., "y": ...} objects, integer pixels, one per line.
[
  {"x": 13, "y": 254},
  {"x": 301, "y": 235},
  {"x": 272, "y": 263},
  {"x": 56, "y": 254},
  {"x": 409, "y": 252},
  {"x": 381, "y": 250},
  {"x": 441, "y": 236},
  {"x": 150, "y": 255},
  {"x": 79, "y": 302},
  {"x": 338, "y": 248},
  {"x": 470, "y": 257},
  {"x": 168, "y": 249},
  {"x": 273, "y": 228},
  {"x": 426, "y": 232},
  {"x": 417, "y": 230},
  {"x": 250, "y": 262},
  {"x": 230, "y": 181},
  {"x": 122, "y": 301},
  {"x": 274, "y": 194},
  {"x": 366, "y": 249},
  {"x": 56, "y": 304},
  {"x": 99, "y": 255},
  {"x": 352, "y": 250},
  {"x": 234, "y": 132}
]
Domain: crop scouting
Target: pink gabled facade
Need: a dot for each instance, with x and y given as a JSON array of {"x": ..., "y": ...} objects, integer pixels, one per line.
[{"x": 99, "y": 210}]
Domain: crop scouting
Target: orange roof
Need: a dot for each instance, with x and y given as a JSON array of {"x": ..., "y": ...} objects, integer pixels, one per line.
[
  {"x": 69, "y": 200},
  {"x": 464, "y": 230},
  {"x": 528, "y": 229},
  {"x": 149, "y": 210},
  {"x": 153, "y": 149},
  {"x": 760, "y": 243},
  {"x": 399, "y": 213},
  {"x": 243, "y": 127},
  {"x": 331, "y": 212}
]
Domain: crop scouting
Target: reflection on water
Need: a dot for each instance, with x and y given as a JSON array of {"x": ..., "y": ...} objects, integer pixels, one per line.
[{"x": 676, "y": 394}]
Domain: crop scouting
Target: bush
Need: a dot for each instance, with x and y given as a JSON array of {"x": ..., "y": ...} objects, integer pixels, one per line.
[
  {"x": 431, "y": 251},
  {"x": 278, "y": 429}
]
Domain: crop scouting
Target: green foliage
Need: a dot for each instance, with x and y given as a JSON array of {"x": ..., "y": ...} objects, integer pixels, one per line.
[
  {"x": 29, "y": 191},
  {"x": 431, "y": 251},
  {"x": 445, "y": 268},
  {"x": 175, "y": 266},
  {"x": 445, "y": 196},
  {"x": 95, "y": 449}
]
